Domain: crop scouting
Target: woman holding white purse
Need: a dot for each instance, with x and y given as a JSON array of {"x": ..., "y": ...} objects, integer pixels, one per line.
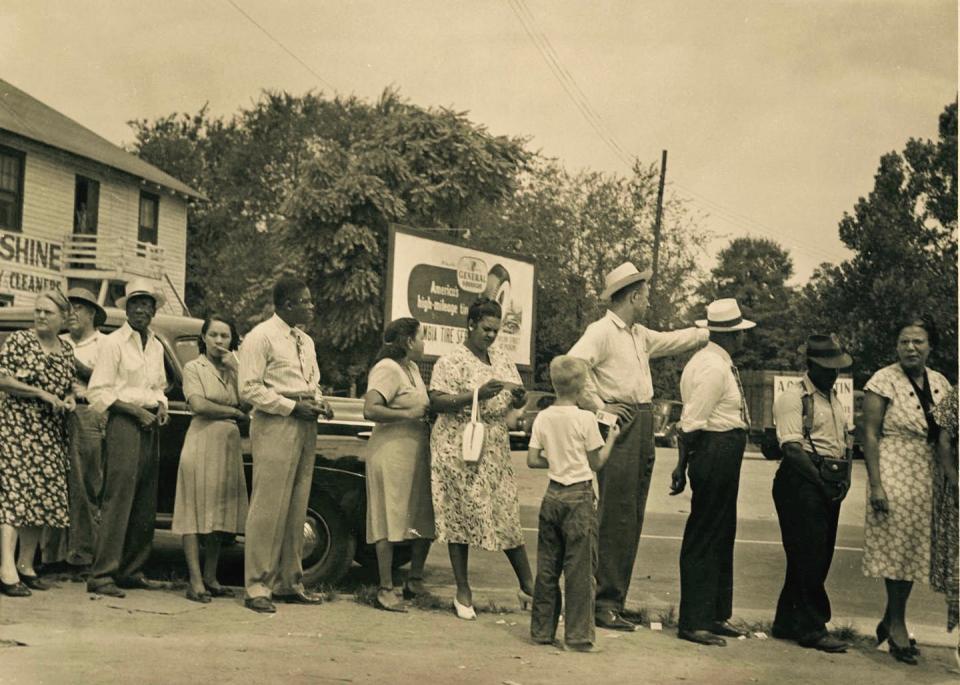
[{"x": 475, "y": 500}]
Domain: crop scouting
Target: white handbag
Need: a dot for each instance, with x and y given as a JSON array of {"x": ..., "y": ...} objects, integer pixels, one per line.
[{"x": 473, "y": 434}]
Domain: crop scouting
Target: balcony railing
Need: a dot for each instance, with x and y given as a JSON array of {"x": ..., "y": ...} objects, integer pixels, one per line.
[{"x": 93, "y": 256}]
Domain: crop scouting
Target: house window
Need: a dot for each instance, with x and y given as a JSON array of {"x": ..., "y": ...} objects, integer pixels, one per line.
[
  {"x": 86, "y": 206},
  {"x": 11, "y": 188},
  {"x": 149, "y": 210}
]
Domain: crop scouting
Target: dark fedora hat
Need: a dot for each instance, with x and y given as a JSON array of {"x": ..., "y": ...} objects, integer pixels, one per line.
[{"x": 825, "y": 350}]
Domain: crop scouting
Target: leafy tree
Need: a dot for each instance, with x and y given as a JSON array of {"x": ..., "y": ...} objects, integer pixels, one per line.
[
  {"x": 400, "y": 163},
  {"x": 904, "y": 236},
  {"x": 755, "y": 271},
  {"x": 309, "y": 185}
]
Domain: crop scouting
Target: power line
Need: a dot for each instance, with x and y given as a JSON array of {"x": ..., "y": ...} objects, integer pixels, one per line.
[
  {"x": 281, "y": 45},
  {"x": 557, "y": 72},
  {"x": 579, "y": 98},
  {"x": 555, "y": 58}
]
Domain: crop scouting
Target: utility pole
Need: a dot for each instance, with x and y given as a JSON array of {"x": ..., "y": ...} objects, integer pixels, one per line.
[{"x": 656, "y": 224}]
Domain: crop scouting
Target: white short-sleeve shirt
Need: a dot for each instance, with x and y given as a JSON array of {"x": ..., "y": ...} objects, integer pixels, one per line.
[{"x": 566, "y": 434}]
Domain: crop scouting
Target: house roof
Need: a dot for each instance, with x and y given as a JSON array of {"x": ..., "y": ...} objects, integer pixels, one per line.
[{"x": 28, "y": 117}]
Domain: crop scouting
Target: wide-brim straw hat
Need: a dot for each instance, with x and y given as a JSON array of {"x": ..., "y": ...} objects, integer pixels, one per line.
[
  {"x": 724, "y": 316},
  {"x": 87, "y": 297},
  {"x": 624, "y": 275},
  {"x": 141, "y": 286},
  {"x": 825, "y": 351}
]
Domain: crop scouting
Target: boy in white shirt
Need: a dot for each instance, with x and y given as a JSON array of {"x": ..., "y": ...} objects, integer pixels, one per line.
[{"x": 566, "y": 440}]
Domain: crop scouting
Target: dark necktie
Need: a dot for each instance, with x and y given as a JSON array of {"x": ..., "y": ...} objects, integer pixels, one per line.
[{"x": 744, "y": 412}]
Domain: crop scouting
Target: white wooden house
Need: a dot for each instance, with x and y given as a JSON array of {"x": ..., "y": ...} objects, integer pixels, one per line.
[{"x": 77, "y": 210}]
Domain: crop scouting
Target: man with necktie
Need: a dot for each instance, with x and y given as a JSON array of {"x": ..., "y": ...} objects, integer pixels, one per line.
[
  {"x": 280, "y": 377},
  {"x": 713, "y": 436}
]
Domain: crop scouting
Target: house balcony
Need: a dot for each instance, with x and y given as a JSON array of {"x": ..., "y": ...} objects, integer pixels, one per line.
[{"x": 114, "y": 259}]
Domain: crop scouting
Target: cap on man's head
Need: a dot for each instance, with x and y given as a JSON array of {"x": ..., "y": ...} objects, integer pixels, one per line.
[{"x": 825, "y": 350}]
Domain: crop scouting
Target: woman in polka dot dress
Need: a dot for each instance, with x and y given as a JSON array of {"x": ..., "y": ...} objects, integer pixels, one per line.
[{"x": 898, "y": 449}]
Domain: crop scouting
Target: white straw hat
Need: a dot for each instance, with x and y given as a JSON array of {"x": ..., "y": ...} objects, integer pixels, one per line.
[
  {"x": 141, "y": 286},
  {"x": 624, "y": 275},
  {"x": 723, "y": 316}
]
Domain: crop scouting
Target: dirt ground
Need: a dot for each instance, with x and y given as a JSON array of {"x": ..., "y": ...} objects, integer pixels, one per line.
[{"x": 64, "y": 636}]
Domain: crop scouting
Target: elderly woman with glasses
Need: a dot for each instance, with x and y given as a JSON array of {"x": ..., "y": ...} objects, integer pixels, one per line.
[{"x": 36, "y": 373}]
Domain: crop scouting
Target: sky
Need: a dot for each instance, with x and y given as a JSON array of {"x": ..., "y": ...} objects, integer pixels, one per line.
[{"x": 774, "y": 114}]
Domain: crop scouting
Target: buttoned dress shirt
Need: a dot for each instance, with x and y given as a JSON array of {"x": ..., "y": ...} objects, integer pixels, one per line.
[
  {"x": 278, "y": 362},
  {"x": 711, "y": 395},
  {"x": 829, "y": 429},
  {"x": 86, "y": 352},
  {"x": 128, "y": 371},
  {"x": 618, "y": 357}
]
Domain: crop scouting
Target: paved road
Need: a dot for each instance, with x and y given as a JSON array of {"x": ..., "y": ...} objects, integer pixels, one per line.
[{"x": 759, "y": 563}]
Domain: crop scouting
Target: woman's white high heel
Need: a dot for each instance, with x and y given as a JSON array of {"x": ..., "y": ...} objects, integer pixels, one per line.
[{"x": 467, "y": 613}]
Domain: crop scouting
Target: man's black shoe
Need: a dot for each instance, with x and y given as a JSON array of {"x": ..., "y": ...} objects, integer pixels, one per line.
[
  {"x": 727, "y": 630},
  {"x": 612, "y": 620},
  {"x": 304, "y": 597},
  {"x": 702, "y": 637},
  {"x": 826, "y": 643},
  {"x": 262, "y": 605}
]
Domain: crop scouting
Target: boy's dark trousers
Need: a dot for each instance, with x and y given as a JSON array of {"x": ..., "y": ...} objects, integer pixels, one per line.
[
  {"x": 566, "y": 544},
  {"x": 808, "y": 526},
  {"x": 706, "y": 554}
]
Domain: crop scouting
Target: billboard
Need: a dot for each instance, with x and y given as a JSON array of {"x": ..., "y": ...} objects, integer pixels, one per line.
[
  {"x": 436, "y": 280},
  {"x": 843, "y": 388}
]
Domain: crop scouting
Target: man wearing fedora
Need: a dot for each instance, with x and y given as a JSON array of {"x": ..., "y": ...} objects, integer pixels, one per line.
[
  {"x": 85, "y": 426},
  {"x": 713, "y": 434},
  {"x": 810, "y": 484},
  {"x": 617, "y": 350},
  {"x": 127, "y": 383}
]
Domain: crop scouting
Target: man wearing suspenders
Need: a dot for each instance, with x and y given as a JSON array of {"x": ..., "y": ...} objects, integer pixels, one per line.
[{"x": 810, "y": 484}]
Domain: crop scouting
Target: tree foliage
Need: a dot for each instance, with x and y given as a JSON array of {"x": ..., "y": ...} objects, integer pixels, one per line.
[
  {"x": 904, "y": 236},
  {"x": 309, "y": 185}
]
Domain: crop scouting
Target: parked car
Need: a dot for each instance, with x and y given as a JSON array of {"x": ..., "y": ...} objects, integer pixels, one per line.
[
  {"x": 334, "y": 528},
  {"x": 537, "y": 401},
  {"x": 666, "y": 416}
]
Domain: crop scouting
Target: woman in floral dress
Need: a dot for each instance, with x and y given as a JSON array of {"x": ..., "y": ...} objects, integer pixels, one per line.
[
  {"x": 898, "y": 450},
  {"x": 477, "y": 503},
  {"x": 36, "y": 373},
  {"x": 945, "y": 556}
]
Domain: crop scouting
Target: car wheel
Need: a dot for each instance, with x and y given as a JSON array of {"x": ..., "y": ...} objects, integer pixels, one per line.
[{"x": 328, "y": 542}]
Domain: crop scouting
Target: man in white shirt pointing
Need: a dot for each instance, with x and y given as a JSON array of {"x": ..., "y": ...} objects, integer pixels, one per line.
[{"x": 618, "y": 350}]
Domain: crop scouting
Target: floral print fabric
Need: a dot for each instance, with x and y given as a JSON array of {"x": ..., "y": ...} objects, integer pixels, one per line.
[
  {"x": 945, "y": 555},
  {"x": 33, "y": 437},
  {"x": 897, "y": 543},
  {"x": 474, "y": 503}
]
